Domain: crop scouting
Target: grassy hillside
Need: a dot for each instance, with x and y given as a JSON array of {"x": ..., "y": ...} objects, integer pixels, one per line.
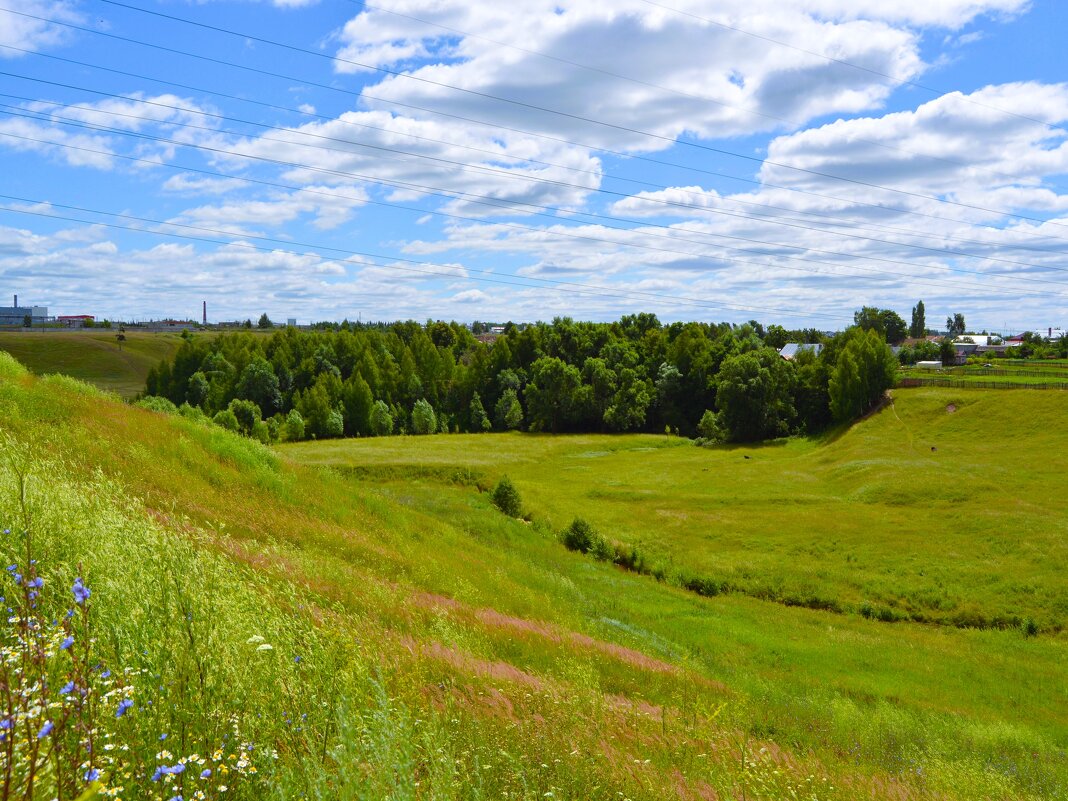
[
  {"x": 93, "y": 355},
  {"x": 354, "y": 639},
  {"x": 946, "y": 508}
]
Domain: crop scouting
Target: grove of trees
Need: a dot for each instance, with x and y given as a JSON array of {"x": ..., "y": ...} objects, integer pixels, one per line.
[{"x": 722, "y": 381}]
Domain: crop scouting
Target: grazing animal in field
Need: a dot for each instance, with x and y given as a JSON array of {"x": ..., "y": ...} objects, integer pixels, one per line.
[
  {"x": 744, "y": 456},
  {"x": 933, "y": 449}
]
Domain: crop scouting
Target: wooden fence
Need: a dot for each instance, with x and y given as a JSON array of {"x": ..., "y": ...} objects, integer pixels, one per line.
[{"x": 958, "y": 383}]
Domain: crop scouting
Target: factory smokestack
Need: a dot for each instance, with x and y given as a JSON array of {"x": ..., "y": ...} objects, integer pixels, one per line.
[
  {"x": 205, "y": 312},
  {"x": 16, "y": 301}
]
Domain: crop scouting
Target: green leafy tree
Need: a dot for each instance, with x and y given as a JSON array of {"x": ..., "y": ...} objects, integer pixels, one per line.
[
  {"x": 864, "y": 370},
  {"x": 630, "y": 403},
  {"x": 381, "y": 420},
  {"x": 357, "y": 400},
  {"x": 265, "y": 321},
  {"x": 247, "y": 414},
  {"x": 509, "y": 411},
  {"x": 919, "y": 321},
  {"x": 754, "y": 393},
  {"x": 294, "y": 426},
  {"x": 197, "y": 391},
  {"x": 424, "y": 421},
  {"x": 506, "y": 498},
  {"x": 552, "y": 394},
  {"x": 259, "y": 384},
  {"x": 227, "y": 420},
  {"x": 479, "y": 419},
  {"x": 955, "y": 325},
  {"x": 886, "y": 322}
]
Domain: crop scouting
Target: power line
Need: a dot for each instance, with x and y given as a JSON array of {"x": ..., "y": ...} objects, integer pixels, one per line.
[
  {"x": 846, "y": 63},
  {"x": 531, "y": 106},
  {"x": 690, "y": 95},
  {"x": 496, "y": 203},
  {"x": 836, "y": 219},
  {"x": 554, "y": 284},
  {"x": 521, "y": 176}
]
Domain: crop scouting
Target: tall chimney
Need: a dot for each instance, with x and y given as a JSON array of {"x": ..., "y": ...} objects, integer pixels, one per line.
[
  {"x": 205, "y": 312},
  {"x": 16, "y": 301}
]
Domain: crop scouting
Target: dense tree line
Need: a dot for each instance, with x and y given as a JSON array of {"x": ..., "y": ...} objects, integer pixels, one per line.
[{"x": 722, "y": 381}]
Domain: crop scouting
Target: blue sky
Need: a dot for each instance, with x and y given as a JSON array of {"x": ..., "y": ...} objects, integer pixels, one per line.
[{"x": 783, "y": 160}]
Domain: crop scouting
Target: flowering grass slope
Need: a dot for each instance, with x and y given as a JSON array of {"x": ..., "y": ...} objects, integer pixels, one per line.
[{"x": 237, "y": 620}]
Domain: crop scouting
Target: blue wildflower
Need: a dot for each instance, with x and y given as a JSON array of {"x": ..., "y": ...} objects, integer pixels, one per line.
[
  {"x": 37, "y": 582},
  {"x": 206, "y": 773},
  {"x": 5, "y": 723},
  {"x": 67, "y": 643},
  {"x": 163, "y": 736},
  {"x": 46, "y": 729},
  {"x": 106, "y": 674},
  {"x": 92, "y": 775},
  {"x": 7, "y": 531},
  {"x": 67, "y": 689},
  {"x": 124, "y": 706},
  {"x": 175, "y": 798},
  {"x": 179, "y": 768},
  {"x": 80, "y": 591},
  {"x": 12, "y": 568},
  {"x": 159, "y": 772}
]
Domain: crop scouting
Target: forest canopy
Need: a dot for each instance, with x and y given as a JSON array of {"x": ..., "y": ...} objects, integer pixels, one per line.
[{"x": 722, "y": 381}]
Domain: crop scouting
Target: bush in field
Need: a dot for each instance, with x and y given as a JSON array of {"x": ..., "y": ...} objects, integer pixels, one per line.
[
  {"x": 334, "y": 426},
  {"x": 424, "y": 421},
  {"x": 247, "y": 414},
  {"x": 506, "y": 498},
  {"x": 227, "y": 419},
  {"x": 154, "y": 403},
  {"x": 710, "y": 428},
  {"x": 293, "y": 427},
  {"x": 381, "y": 420},
  {"x": 579, "y": 536}
]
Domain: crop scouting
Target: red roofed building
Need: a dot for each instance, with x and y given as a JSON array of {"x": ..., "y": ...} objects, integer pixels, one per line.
[{"x": 76, "y": 320}]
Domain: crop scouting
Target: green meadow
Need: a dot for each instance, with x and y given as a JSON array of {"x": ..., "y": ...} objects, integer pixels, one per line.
[
  {"x": 940, "y": 509},
  {"x": 94, "y": 355},
  {"x": 354, "y": 619}
]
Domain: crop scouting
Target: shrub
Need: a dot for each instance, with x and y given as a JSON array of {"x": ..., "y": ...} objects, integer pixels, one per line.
[
  {"x": 381, "y": 420},
  {"x": 710, "y": 428},
  {"x": 424, "y": 421},
  {"x": 247, "y": 414},
  {"x": 193, "y": 413},
  {"x": 334, "y": 425},
  {"x": 154, "y": 403},
  {"x": 294, "y": 426},
  {"x": 579, "y": 536},
  {"x": 506, "y": 498},
  {"x": 226, "y": 419}
]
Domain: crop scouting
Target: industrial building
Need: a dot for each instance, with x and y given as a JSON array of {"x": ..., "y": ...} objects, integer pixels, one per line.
[{"x": 16, "y": 315}]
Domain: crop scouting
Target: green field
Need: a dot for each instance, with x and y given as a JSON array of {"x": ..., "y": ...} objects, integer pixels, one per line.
[
  {"x": 1049, "y": 374},
  {"x": 93, "y": 355},
  {"x": 387, "y": 633},
  {"x": 935, "y": 515}
]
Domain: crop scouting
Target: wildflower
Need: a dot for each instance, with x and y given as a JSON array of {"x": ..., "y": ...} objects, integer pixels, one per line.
[
  {"x": 7, "y": 531},
  {"x": 5, "y": 723},
  {"x": 106, "y": 674},
  {"x": 45, "y": 730},
  {"x": 163, "y": 736},
  {"x": 12, "y": 568},
  {"x": 176, "y": 798},
  {"x": 80, "y": 591},
  {"x": 265, "y": 647},
  {"x": 206, "y": 773},
  {"x": 67, "y": 643},
  {"x": 67, "y": 688},
  {"x": 124, "y": 706},
  {"x": 37, "y": 583},
  {"x": 92, "y": 775},
  {"x": 159, "y": 772}
]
